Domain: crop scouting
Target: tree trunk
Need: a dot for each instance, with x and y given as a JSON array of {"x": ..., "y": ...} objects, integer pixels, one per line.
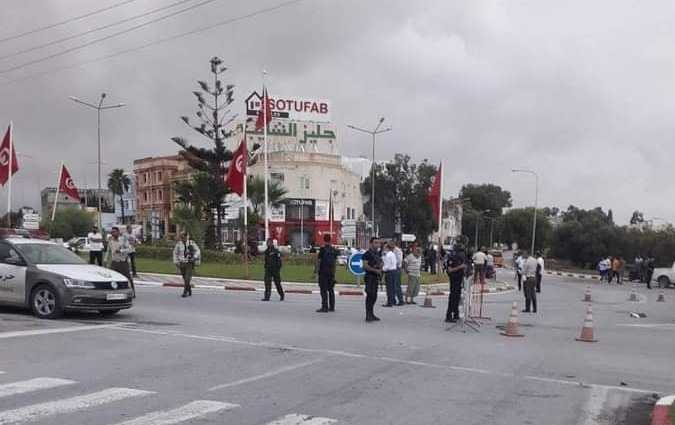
[{"x": 122, "y": 207}]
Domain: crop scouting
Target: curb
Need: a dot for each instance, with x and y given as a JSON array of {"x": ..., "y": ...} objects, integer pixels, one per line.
[
  {"x": 574, "y": 275},
  {"x": 661, "y": 412}
]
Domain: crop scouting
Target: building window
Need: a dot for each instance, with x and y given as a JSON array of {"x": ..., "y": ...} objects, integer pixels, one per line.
[
  {"x": 304, "y": 183},
  {"x": 159, "y": 176},
  {"x": 145, "y": 178},
  {"x": 160, "y": 196},
  {"x": 145, "y": 197},
  {"x": 278, "y": 177}
]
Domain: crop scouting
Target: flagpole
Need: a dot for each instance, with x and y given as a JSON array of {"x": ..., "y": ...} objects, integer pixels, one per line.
[
  {"x": 440, "y": 206},
  {"x": 58, "y": 189},
  {"x": 267, "y": 206},
  {"x": 330, "y": 210},
  {"x": 246, "y": 275},
  {"x": 9, "y": 186}
]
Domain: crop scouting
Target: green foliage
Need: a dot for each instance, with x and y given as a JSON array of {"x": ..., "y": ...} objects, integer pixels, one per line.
[
  {"x": 221, "y": 257},
  {"x": 483, "y": 197},
  {"x": 188, "y": 218},
  {"x": 68, "y": 223},
  {"x": 516, "y": 226},
  {"x": 118, "y": 183},
  {"x": 255, "y": 190}
]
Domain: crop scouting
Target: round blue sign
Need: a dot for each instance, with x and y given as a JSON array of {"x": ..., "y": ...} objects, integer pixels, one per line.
[{"x": 355, "y": 264}]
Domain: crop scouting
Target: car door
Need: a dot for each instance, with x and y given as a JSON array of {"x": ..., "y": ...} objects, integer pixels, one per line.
[{"x": 12, "y": 275}]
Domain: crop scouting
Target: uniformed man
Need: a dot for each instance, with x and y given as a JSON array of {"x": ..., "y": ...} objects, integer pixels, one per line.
[
  {"x": 117, "y": 256},
  {"x": 456, "y": 268},
  {"x": 325, "y": 269},
  {"x": 186, "y": 255},
  {"x": 272, "y": 270},
  {"x": 372, "y": 264}
]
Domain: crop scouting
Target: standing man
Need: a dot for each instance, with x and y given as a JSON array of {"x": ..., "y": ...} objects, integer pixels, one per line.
[
  {"x": 412, "y": 267},
  {"x": 432, "y": 259},
  {"x": 186, "y": 256},
  {"x": 95, "y": 242},
  {"x": 530, "y": 272},
  {"x": 519, "y": 270},
  {"x": 540, "y": 269},
  {"x": 389, "y": 269},
  {"x": 372, "y": 264},
  {"x": 132, "y": 242},
  {"x": 456, "y": 267},
  {"x": 649, "y": 270},
  {"x": 325, "y": 268},
  {"x": 272, "y": 270},
  {"x": 490, "y": 265},
  {"x": 479, "y": 260},
  {"x": 398, "y": 253},
  {"x": 117, "y": 256}
]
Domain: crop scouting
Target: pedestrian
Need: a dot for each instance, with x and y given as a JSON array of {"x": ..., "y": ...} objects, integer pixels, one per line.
[
  {"x": 650, "y": 264},
  {"x": 456, "y": 268},
  {"x": 372, "y": 264},
  {"x": 479, "y": 259},
  {"x": 186, "y": 255},
  {"x": 540, "y": 270},
  {"x": 639, "y": 268},
  {"x": 432, "y": 259},
  {"x": 529, "y": 286},
  {"x": 325, "y": 268},
  {"x": 398, "y": 291},
  {"x": 95, "y": 242},
  {"x": 614, "y": 270},
  {"x": 117, "y": 256},
  {"x": 389, "y": 269},
  {"x": 412, "y": 266},
  {"x": 132, "y": 241},
  {"x": 519, "y": 270},
  {"x": 490, "y": 266},
  {"x": 272, "y": 271}
]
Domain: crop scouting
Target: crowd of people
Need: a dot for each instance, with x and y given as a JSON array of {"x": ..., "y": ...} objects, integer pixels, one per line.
[{"x": 613, "y": 269}]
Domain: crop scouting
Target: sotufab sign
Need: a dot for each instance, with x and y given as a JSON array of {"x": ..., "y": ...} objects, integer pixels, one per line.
[{"x": 291, "y": 108}]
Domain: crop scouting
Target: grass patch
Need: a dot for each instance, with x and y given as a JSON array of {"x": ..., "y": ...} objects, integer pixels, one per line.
[{"x": 672, "y": 414}]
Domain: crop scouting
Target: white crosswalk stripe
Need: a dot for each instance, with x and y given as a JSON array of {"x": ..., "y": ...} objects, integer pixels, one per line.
[
  {"x": 38, "y": 411},
  {"x": 190, "y": 411},
  {"x": 22, "y": 387},
  {"x": 296, "y": 419}
]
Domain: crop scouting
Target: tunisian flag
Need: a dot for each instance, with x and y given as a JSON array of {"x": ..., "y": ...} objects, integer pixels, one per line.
[
  {"x": 6, "y": 147},
  {"x": 236, "y": 172},
  {"x": 265, "y": 113},
  {"x": 434, "y": 195},
  {"x": 66, "y": 185}
]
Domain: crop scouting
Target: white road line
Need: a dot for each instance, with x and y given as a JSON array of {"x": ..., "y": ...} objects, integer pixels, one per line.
[
  {"x": 296, "y": 419},
  {"x": 592, "y": 410},
  {"x": 69, "y": 405},
  {"x": 264, "y": 375},
  {"x": 194, "y": 410},
  {"x": 18, "y": 334},
  {"x": 582, "y": 384},
  {"x": 30, "y": 385},
  {"x": 660, "y": 326}
]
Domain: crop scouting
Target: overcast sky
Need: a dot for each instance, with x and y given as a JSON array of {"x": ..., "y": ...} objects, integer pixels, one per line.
[{"x": 581, "y": 91}]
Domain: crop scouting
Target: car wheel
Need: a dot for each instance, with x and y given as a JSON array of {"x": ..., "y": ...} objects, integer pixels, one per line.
[
  {"x": 664, "y": 282},
  {"x": 108, "y": 312},
  {"x": 45, "y": 302}
]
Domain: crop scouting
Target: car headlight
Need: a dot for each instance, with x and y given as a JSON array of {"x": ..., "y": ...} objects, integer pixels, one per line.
[{"x": 76, "y": 283}]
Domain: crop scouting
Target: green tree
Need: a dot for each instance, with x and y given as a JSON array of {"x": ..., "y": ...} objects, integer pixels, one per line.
[
  {"x": 119, "y": 183},
  {"x": 485, "y": 197},
  {"x": 637, "y": 217},
  {"x": 68, "y": 223},
  {"x": 517, "y": 227},
  {"x": 255, "y": 189},
  {"x": 213, "y": 116},
  {"x": 188, "y": 218}
]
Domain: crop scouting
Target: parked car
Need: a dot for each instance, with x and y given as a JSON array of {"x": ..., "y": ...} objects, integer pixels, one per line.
[
  {"x": 498, "y": 256},
  {"x": 664, "y": 276},
  {"x": 77, "y": 244}
]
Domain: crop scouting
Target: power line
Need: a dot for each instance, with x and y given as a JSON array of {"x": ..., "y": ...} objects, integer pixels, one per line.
[
  {"x": 107, "y": 37},
  {"x": 73, "y": 19},
  {"x": 160, "y": 41},
  {"x": 93, "y": 30}
]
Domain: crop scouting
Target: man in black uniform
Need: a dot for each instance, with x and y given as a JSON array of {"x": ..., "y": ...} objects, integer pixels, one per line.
[
  {"x": 372, "y": 264},
  {"x": 325, "y": 268},
  {"x": 455, "y": 266},
  {"x": 272, "y": 270}
]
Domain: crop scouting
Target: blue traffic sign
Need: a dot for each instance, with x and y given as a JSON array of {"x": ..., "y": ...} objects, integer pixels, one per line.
[{"x": 355, "y": 264}]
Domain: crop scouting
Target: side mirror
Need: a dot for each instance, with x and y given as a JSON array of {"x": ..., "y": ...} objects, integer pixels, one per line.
[{"x": 15, "y": 261}]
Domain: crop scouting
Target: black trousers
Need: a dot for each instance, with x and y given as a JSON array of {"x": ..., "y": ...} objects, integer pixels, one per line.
[
  {"x": 186, "y": 270},
  {"x": 539, "y": 282},
  {"x": 122, "y": 267},
  {"x": 520, "y": 280},
  {"x": 326, "y": 286},
  {"x": 530, "y": 294},
  {"x": 132, "y": 262},
  {"x": 276, "y": 276},
  {"x": 372, "y": 283},
  {"x": 96, "y": 257},
  {"x": 454, "y": 297},
  {"x": 648, "y": 278}
]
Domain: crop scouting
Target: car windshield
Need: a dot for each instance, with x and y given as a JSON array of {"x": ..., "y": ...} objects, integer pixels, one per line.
[{"x": 48, "y": 254}]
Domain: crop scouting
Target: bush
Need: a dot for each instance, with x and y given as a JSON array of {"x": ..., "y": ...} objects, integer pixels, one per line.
[
  {"x": 68, "y": 223},
  {"x": 159, "y": 252}
]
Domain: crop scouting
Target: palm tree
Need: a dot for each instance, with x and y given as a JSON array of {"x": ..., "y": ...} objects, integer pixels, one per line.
[
  {"x": 256, "y": 194},
  {"x": 118, "y": 183}
]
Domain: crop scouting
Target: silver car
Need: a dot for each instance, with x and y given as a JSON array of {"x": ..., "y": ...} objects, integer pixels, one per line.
[{"x": 49, "y": 279}]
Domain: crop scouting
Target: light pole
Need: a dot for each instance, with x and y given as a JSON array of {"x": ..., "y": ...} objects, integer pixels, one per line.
[
  {"x": 373, "y": 133},
  {"x": 98, "y": 109},
  {"x": 536, "y": 199},
  {"x": 479, "y": 215}
]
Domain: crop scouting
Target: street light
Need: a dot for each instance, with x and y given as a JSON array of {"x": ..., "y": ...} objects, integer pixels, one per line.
[
  {"x": 536, "y": 198},
  {"x": 98, "y": 109},
  {"x": 373, "y": 133}
]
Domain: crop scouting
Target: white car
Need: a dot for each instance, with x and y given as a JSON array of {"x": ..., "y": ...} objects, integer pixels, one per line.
[
  {"x": 664, "y": 276},
  {"x": 77, "y": 244}
]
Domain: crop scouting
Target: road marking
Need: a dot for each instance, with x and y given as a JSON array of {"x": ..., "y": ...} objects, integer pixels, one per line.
[
  {"x": 69, "y": 405},
  {"x": 593, "y": 407},
  {"x": 194, "y": 410},
  {"x": 660, "y": 326},
  {"x": 30, "y": 385},
  {"x": 264, "y": 375},
  {"x": 296, "y": 419},
  {"x": 18, "y": 334}
]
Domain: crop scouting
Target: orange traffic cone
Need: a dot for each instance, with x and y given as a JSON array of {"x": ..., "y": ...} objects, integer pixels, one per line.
[
  {"x": 512, "y": 325},
  {"x": 587, "y": 330},
  {"x": 428, "y": 303},
  {"x": 587, "y": 296},
  {"x": 662, "y": 297}
]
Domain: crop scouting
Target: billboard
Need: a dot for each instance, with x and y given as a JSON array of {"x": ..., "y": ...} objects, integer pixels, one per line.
[{"x": 291, "y": 108}]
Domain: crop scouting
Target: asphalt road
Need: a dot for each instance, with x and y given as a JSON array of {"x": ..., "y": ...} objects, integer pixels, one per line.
[{"x": 227, "y": 358}]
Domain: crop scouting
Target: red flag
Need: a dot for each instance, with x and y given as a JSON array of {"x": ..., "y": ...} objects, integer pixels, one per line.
[
  {"x": 5, "y": 148},
  {"x": 264, "y": 115},
  {"x": 66, "y": 185},
  {"x": 236, "y": 172},
  {"x": 434, "y": 196}
]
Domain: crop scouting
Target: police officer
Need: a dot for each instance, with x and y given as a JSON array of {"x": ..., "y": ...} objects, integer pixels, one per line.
[
  {"x": 372, "y": 264},
  {"x": 325, "y": 268},
  {"x": 455, "y": 266},
  {"x": 272, "y": 270}
]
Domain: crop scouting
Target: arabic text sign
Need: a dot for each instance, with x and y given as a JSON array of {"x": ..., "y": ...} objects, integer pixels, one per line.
[{"x": 291, "y": 108}]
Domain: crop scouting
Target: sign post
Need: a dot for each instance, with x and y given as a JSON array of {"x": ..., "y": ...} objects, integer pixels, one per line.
[{"x": 355, "y": 266}]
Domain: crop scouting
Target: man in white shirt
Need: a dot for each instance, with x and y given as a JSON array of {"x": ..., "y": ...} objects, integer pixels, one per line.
[
  {"x": 479, "y": 260},
  {"x": 399, "y": 266},
  {"x": 519, "y": 270},
  {"x": 530, "y": 266},
  {"x": 95, "y": 242},
  {"x": 389, "y": 269},
  {"x": 132, "y": 242},
  {"x": 540, "y": 270}
]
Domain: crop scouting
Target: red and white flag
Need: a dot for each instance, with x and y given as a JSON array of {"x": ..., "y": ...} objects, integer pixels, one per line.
[
  {"x": 265, "y": 113},
  {"x": 66, "y": 185},
  {"x": 7, "y": 151},
  {"x": 236, "y": 172},
  {"x": 434, "y": 195}
]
